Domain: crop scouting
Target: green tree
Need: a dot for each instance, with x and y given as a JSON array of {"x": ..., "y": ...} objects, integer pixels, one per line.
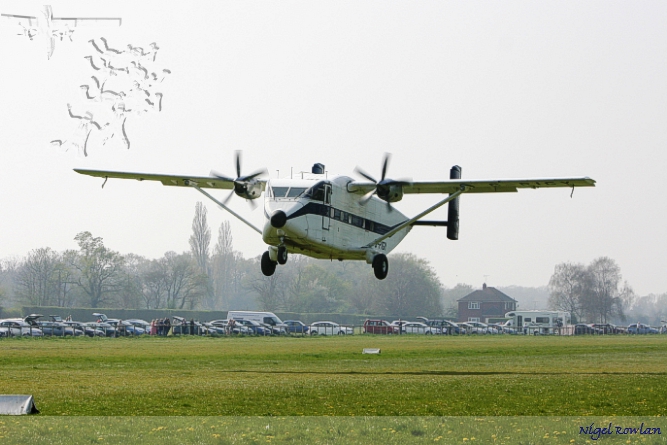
[
  {"x": 412, "y": 288},
  {"x": 98, "y": 269}
]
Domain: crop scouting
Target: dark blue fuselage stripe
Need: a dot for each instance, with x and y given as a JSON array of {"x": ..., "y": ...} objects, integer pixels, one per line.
[{"x": 313, "y": 208}]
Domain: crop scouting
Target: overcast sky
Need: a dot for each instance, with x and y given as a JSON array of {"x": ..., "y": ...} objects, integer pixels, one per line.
[{"x": 505, "y": 89}]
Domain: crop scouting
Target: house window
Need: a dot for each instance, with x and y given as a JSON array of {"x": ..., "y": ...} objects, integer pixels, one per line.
[
  {"x": 473, "y": 319},
  {"x": 509, "y": 306},
  {"x": 473, "y": 305}
]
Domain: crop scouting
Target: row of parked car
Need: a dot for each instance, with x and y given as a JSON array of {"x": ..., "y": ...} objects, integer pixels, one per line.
[{"x": 266, "y": 324}]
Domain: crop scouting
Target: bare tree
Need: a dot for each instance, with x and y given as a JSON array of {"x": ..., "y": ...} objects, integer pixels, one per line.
[
  {"x": 566, "y": 287},
  {"x": 182, "y": 283},
  {"x": 200, "y": 242},
  {"x": 601, "y": 296},
  {"x": 34, "y": 280},
  {"x": 223, "y": 266},
  {"x": 268, "y": 290}
]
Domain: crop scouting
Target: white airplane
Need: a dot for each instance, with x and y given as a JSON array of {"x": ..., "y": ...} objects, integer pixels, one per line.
[
  {"x": 50, "y": 27},
  {"x": 339, "y": 217}
]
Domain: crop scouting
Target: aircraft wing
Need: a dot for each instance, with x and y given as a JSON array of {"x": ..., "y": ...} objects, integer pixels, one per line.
[
  {"x": 494, "y": 185},
  {"x": 19, "y": 19},
  {"x": 92, "y": 21},
  {"x": 477, "y": 185},
  {"x": 171, "y": 180}
]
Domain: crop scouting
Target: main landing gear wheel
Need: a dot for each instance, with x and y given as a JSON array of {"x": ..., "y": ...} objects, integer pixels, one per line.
[
  {"x": 380, "y": 266},
  {"x": 268, "y": 266},
  {"x": 282, "y": 255}
]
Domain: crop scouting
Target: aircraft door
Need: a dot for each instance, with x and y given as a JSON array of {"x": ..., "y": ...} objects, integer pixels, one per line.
[{"x": 326, "y": 213}]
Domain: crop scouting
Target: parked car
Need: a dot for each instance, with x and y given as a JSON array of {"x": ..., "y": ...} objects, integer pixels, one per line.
[
  {"x": 471, "y": 328},
  {"x": 88, "y": 331},
  {"x": 329, "y": 328},
  {"x": 446, "y": 326},
  {"x": 583, "y": 329},
  {"x": 125, "y": 328},
  {"x": 254, "y": 327},
  {"x": 399, "y": 324},
  {"x": 506, "y": 328},
  {"x": 143, "y": 324},
  {"x": 18, "y": 328},
  {"x": 607, "y": 328},
  {"x": 417, "y": 327},
  {"x": 639, "y": 328},
  {"x": 212, "y": 329},
  {"x": 109, "y": 331},
  {"x": 379, "y": 327},
  {"x": 296, "y": 327},
  {"x": 237, "y": 329}
]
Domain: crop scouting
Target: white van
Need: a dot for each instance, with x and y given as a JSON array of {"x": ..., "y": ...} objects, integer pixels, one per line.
[{"x": 267, "y": 318}]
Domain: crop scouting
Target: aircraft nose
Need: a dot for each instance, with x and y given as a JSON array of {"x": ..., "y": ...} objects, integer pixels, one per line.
[{"x": 278, "y": 219}]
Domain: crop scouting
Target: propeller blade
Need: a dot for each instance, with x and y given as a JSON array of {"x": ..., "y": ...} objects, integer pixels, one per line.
[
  {"x": 364, "y": 199},
  {"x": 221, "y": 176},
  {"x": 228, "y": 198},
  {"x": 238, "y": 163},
  {"x": 252, "y": 203},
  {"x": 364, "y": 174},
  {"x": 385, "y": 165},
  {"x": 259, "y": 172}
]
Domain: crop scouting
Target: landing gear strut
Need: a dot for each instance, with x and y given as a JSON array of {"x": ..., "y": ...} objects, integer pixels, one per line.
[
  {"x": 282, "y": 255},
  {"x": 380, "y": 266},
  {"x": 268, "y": 266}
]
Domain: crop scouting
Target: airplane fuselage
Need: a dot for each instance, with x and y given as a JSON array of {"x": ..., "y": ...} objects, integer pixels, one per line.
[{"x": 324, "y": 220}]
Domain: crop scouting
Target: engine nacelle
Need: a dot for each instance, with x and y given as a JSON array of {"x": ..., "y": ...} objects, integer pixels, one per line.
[
  {"x": 390, "y": 192},
  {"x": 248, "y": 190},
  {"x": 453, "y": 208}
]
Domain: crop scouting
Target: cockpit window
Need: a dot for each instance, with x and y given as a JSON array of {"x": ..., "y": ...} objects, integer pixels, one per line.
[
  {"x": 295, "y": 191},
  {"x": 316, "y": 192},
  {"x": 280, "y": 192}
]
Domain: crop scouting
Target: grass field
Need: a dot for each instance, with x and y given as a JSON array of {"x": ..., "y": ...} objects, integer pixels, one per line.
[{"x": 413, "y": 376}]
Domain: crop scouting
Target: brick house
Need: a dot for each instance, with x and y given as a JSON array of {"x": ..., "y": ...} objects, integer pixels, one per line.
[{"x": 485, "y": 303}]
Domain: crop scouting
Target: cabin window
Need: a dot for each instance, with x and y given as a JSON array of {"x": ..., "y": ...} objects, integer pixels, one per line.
[
  {"x": 473, "y": 305},
  {"x": 369, "y": 225},
  {"x": 316, "y": 192},
  {"x": 336, "y": 214},
  {"x": 280, "y": 192},
  {"x": 295, "y": 191},
  {"x": 356, "y": 221},
  {"x": 331, "y": 213}
]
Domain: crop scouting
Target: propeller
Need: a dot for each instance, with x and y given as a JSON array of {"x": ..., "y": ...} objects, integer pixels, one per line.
[
  {"x": 383, "y": 188},
  {"x": 242, "y": 184}
]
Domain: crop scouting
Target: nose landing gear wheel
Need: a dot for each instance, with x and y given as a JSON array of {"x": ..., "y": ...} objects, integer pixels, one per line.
[
  {"x": 268, "y": 266},
  {"x": 282, "y": 255},
  {"x": 380, "y": 266}
]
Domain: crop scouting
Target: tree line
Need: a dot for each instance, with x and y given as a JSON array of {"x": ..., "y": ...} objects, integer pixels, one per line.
[
  {"x": 595, "y": 293},
  {"x": 216, "y": 278}
]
